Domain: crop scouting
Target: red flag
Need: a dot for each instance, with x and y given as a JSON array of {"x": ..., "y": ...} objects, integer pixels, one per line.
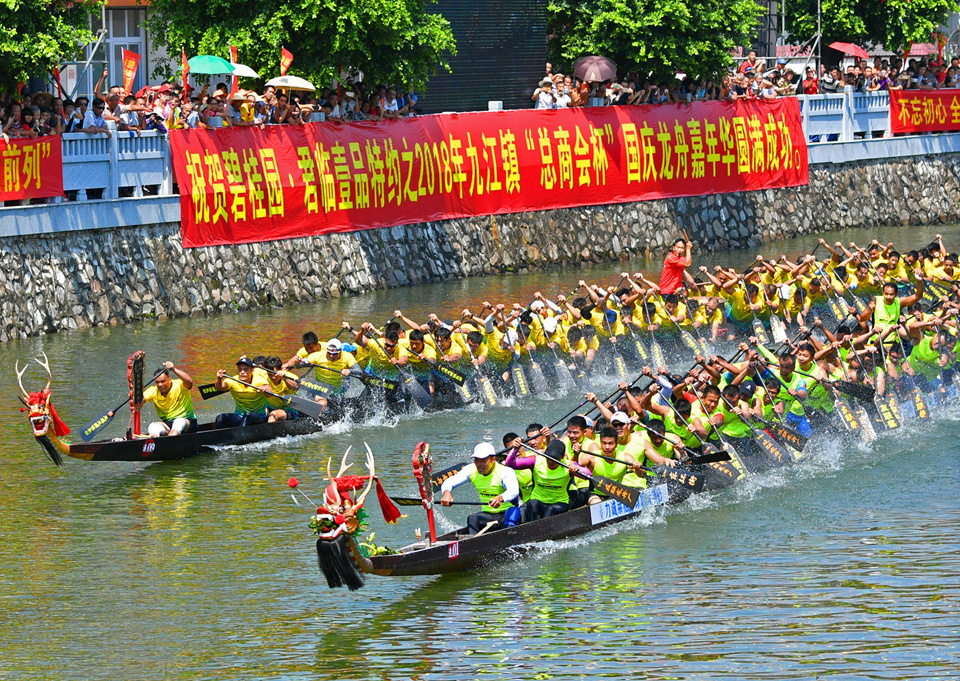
[
  {"x": 186, "y": 70},
  {"x": 131, "y": 62},
  {"x": 56, "y": 77},
  {"x": 286, "y": 58},
  {"x": 235, "y": 84}
]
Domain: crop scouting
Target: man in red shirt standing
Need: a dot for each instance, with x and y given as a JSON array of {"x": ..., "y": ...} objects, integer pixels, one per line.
[{"x": 674, "y": 267}]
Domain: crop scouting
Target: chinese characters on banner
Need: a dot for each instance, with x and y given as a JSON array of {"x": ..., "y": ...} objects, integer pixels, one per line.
[
  {"x": 131, "y": 61},
  {"x": 32, "y": 169},
  {"x": 924, "y": 110},
  {"x": 247, "y": 184}
]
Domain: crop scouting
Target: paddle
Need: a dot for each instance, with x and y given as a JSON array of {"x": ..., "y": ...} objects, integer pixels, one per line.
[
  {"x": 367, "y": 379},
  {"x": 519, "y": 379},
  {"x": 765, "y": 441},
  {"x": 685, "y": 477},
  {"x": 301, "y": 404},
  {"x": 564, "y": 377},
  {"x": 412, "y": 501},
  {"x": 656, "y": 352},
  {"x": 856, "y": 390},
  {"x": 777, "y": 327},
  {"x": 685, "y": 337},
  {"x": 628, "y": 496},
  {"x": 758, "y": 330},
  {"x": 637, "y": 345},
  {"x": 96, "y": 425},
  {"x": 537, "y": 378},
  {"x": 783, "y": 433},
  {"x": 414, "y": 389}
]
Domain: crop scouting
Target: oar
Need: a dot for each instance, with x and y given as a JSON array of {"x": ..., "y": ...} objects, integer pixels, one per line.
[
  {"x": 685, "y": 335},
  {"x": 855, "y": 390},
  {"x": 618, "y": 362},
  {"x": 656, "y": 351},
  {"x": 536, "y": 373},
  {"x": 416, "y": 391},
  {"x": 487, "y": 391},
  {"x": 637, "y": 345},
  {"x": 367, "y": 379},
  {"x": 302, "y": 381},
  {"x": 628, "y": 496},
  {"x": 413, "y": 501},
  {"x": 520, "y": 386},
  {"x": 783, "y": 433},
  {"x": 685, "y": 477},
  {"x": 777, "y": 326},
  {"x": 91, "y": 429},
  {"x": 758, "y": 330},
  {"x": 209, "y": 390},
  {"x": 765, "y": 441},
  {"x": 564, "y": 377},
  {"x": 301, "y": 404}
]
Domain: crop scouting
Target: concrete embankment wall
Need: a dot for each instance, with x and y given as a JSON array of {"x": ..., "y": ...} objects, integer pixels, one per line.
[{"x": 112, "y": 276}]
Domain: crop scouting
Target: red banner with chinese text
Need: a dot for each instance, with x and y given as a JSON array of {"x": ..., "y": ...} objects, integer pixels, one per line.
[
  {"x": 924, "y": 110},
  {"x": 32, "y": 168},
  {"x": 131, "y": 62},
  {"x": 246, "y": 184}
]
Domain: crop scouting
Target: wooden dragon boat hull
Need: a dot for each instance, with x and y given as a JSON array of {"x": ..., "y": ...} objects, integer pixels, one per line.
[{"x": 458, "y": 551}]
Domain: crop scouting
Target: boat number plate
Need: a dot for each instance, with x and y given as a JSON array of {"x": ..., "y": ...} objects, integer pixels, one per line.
[
  {"x": 148, "y": 447},
  {"x": 611, "y": 509},
  {"x": 453, "y": 550}
]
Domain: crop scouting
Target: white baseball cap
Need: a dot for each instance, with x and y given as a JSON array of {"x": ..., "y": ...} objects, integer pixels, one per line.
[
  {"x": 550, "y": 324},
  {"x": 334, "y": 345},
  {"x": 536, "y": 305},
  {"x": 483, "y": 450},
  {"x": 619, "y": 417}
]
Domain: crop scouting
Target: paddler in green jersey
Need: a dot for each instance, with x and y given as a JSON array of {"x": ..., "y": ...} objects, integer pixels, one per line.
[
  {"x": 735, "y": 413},
  {"x": 885, "y": 309},
  {"x": 657, "y": 448},
  {"x": 496, "y": 486},
  {"x": 551, "y": 476},
  {"x": 610, "y": 447},
  {"x": 576, "y": 442}
]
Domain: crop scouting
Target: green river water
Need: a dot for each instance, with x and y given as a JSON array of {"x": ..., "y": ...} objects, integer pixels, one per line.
[{"x": 845, "y": 566}]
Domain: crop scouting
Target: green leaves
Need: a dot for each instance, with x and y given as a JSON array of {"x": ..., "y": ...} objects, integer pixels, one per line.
[
  {"x": 388, "y": 40},
  {"x": 36, "y": 35},
  {"x": 656, "y": 37},
  {"x": 891, "y": 23}
]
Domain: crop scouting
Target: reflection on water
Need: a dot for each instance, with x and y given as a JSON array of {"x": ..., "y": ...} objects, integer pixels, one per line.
[{"x": 846, "y": 565}]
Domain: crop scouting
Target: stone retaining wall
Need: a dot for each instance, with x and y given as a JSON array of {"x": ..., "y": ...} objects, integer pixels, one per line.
[{"x": 81, "y": 279}]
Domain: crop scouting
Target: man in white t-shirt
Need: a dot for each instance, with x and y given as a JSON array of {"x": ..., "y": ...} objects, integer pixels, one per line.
[
  {"x": 544, "y": 96},
  {"x": 334, "y": 110},
  {"x": 390, "y": 106}
]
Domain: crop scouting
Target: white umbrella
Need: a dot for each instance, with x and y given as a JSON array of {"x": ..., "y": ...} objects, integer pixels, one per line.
[
  {"x": 291, "y": 83},
  {"x": 244, "y": 71}
]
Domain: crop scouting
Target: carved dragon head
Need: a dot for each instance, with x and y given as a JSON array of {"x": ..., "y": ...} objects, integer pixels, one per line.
[
  {"x": 339, "y": 514},
  {"x": 41, "y": 410}
]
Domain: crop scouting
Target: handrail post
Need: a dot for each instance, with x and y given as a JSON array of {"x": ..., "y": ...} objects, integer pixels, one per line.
[
  {"x": 846, "y": 133},
  {"x": 166, "y": 187},
  {"x": 113, "y": 190}
]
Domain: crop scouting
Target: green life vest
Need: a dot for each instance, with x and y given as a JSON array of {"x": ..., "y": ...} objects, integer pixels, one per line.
[
  {"x": 525, "y": 482},
  {"x": 796, "y": 382},
  {"x": 733, "y": 425},
  {"x": 631, "y": 479},
  {"x": 614, "y": 471},
  {"x": 886, "y": 315},
  {"x": 925, "y": 359},
  {"x": 675, "y": 425},
  {"x": 578, "y": 482},
  {"x": 490, "y": 486},
  {"x": 551, "y": 484},
  {"x": 818, "y": 397}
]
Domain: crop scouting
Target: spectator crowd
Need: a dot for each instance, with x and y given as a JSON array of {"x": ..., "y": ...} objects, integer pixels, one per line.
[
  {"x": 752, "y": 79},
  {"x": 167, "y": 106}
]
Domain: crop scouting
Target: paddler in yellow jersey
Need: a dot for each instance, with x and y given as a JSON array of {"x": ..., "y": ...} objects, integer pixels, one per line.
[
  {"x": 251, "y": 404},
  {"x": 311, "y": 345},
  {"x": 610, "y": 448},
  {"x": 171, "y": 398},
  {"x": 333, "y": 367},
  {"x": 279, "y": 382},
  {"x": 496, "y": 486}
]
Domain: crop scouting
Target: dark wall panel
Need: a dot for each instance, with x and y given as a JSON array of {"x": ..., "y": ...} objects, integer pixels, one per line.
[{"x": 501, "y": 52}]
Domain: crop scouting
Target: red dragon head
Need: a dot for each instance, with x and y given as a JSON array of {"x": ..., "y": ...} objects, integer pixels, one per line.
[
  {"x": 42, "y": 412},
  {"x": 338, "y": 513}
]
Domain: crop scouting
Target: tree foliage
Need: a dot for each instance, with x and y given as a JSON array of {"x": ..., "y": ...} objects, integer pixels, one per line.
[
  {"x": 393, "y": 41},
  {"x": 891, "y": 23},
  {"x": 696, "y": 37},
  {"x": 36, "y": 35}
]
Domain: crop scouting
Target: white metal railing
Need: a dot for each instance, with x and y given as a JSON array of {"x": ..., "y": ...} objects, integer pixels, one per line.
[
  {"x": 844, "y": 116},
  {"x": 125, "y": 163}
]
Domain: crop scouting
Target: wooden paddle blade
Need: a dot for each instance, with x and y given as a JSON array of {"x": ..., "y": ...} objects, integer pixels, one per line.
[
  {"x": 628, "y": 496},
  {"x": 779, "y": 330},
  {"x": 316, "y": 388},
  {"x": 786, "y": 435},
  {"x": 716, "y": 456},
  {"x": 450, "y": 374},
  {"x": 856, "y": 390},
  {"x": 537, "y": 379},
  {"x": 704, "y": 346},
  {"x": 304, "y": 405},
  {"x": 887, "y": 416},
  {"x": 774, "y": 449},
  {"x": 91, "y": 429},
  {"x": 691, "y": 342},
  {"x": 377, "y": 382},
  {"x": 209, "y": 390},
  {"x": 520, "y": 385},
  {"x": 923, "y": 412},
  {"x": 759, "y": 331},
  {"x": 659, "y": 359},
  {"x": 619, "y": 365},
  {"x": 641, "y": 351},
  {"x": 439, "y": 477},
  {"x": 847, "y": 417},
  {"x": 487, "y": 392},
  {"x": 416, "y": 391},
  {"x": 686, "y": 479},
  {"x": 564, "y": 377}
]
